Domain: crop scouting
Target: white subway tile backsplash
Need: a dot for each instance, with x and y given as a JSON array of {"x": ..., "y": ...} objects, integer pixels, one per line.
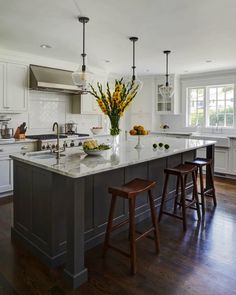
[{"x": 46, "y": 108}]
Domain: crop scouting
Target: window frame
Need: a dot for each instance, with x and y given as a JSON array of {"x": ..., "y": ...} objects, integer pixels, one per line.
[
  {"x": 189, "y": 104},
  {"x": 206, "y": 86}
]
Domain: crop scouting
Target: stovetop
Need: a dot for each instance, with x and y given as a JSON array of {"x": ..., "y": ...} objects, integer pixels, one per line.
[
  {"x": 54, "y": 136},
  {"x": 76, "y": 134},
  {"x": 45, "y": 136}
]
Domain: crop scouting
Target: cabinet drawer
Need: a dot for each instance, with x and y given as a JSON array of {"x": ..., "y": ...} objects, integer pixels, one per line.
[{"x": 8, "y": 149}]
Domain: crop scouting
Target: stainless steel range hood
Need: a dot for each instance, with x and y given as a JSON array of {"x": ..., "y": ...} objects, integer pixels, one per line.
[{"x": 51, "y": 79}]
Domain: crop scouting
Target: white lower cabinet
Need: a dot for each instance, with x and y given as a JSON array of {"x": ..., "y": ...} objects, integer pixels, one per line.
[
  {"x": 233, "y": 160},
  {"x": 6, "y": 175},
  {"x": 6, "y": 164},
  {"x": 221, "y": 159}
]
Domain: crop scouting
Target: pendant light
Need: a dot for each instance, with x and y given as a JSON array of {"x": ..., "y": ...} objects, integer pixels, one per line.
[
  {"x": 166, "y": 90},
  {"x": 82, "y": 77},
  {"x": 134, "y": 78}
]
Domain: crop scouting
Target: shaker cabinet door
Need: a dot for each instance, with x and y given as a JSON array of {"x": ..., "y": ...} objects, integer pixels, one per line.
[
  {"x": 6, "y": 175},
  {"x": 16, "y": 87},
  {"x": 2, "y": 85}
]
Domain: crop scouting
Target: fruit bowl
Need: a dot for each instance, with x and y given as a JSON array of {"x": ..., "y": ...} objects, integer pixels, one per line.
[
  {"x": 91, "y": 147},
  {"x": 96, "y": 130},
  {"x": 138, "y": 130},
  {"x": 94, "y": 152}
]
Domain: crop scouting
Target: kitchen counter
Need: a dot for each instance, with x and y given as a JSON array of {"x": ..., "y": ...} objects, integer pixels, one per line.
[
  {"x": 76, "y": 164},
  {"x": 172, "y": 133},
  {"x": 14, "y": 141},
  {"x": 61, "y": 206}
]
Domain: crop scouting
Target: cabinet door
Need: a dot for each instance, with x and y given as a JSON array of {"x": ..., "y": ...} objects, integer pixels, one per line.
[
  {"x": 16, "y": 88},
  {"x": 233, "y": 160},
  {"x": 142, "y": 102},
  {"x": 6, "y": 175},
  {"x": 2, "y": 85},
  {"x": 89, "y": 105},
  {"x": 221, "y": 160}
]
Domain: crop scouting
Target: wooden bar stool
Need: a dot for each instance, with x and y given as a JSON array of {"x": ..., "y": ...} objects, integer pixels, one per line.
[
  {"x": 181, "y": 171},
  {"x": 209, "y": 192},
  {"x": 130, "y": 191}
]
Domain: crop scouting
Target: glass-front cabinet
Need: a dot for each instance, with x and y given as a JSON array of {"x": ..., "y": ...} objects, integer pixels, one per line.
[{"x": 167, "y": 105}]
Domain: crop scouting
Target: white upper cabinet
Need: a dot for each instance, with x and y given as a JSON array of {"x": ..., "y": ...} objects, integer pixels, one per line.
[
  {"x": 142, "y": 102},
  {"x": 87, "y": 104},
  {"x": 167, "y": 105},
  {"x": 14, "y": 88},
  {"x": 2, "y": 83}
]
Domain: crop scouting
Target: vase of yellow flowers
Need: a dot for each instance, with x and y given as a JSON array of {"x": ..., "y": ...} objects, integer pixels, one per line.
[{"x": 114, "y": 103}]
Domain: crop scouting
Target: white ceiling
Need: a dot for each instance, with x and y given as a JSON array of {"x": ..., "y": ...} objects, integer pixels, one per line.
[{"x": 195, "y": 31}]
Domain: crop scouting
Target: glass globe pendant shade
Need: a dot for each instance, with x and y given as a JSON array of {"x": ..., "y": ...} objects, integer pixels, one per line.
[
  {"x": 82, "y": 79},
  {"x": 166, "y": 91}
]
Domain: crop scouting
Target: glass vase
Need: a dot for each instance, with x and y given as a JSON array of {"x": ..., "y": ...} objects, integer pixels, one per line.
[{"x": 114, "y": 120}]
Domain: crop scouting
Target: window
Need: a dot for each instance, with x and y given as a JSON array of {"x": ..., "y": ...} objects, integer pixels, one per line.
[{"x": 211, "y": 106}]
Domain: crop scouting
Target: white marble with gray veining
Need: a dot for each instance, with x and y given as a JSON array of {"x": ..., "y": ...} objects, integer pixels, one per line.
[{"x": 77, "y": 164}]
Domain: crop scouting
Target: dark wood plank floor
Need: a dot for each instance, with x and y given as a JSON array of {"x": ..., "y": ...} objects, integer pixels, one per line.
[{"x": 201, "y": 261}]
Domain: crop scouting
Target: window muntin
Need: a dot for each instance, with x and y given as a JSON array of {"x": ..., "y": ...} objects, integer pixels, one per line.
[
  {"x": 211, "y": 106},
  {"x": 196, "y": 106}
]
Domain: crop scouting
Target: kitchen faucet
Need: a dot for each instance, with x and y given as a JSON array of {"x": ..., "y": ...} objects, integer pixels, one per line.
[{"x": 57, "y": 150}]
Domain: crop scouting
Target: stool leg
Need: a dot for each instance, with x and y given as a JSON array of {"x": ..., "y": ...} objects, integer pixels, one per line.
[
  {"x": 213, "y": 185},
  {"x": 163, "y": 196},
  {"x": 154, "y": 221},
  {"x": 176, "y": 194},
  {"x": 196, "y": 195},
  {"x": 202, "y": 191},
  {"x": 109, "y": 225},
  {"x": 132, "y": 234},
  {"x": 183, "y": 202}
]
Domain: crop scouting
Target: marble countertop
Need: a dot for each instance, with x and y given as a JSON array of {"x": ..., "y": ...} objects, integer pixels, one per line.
[
  {"x": 77, "y": 164},
  {"x": 172, "y": 133},
  {"x": 14, "y": 141}
]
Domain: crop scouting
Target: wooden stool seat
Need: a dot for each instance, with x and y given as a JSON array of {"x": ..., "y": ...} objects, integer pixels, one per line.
[
  {"x": 210, "y": 191},
  {"x": 129, "y": 191},
  {"x": 200, "y": 162},
  {"x": 132, "y": 188},
  {"x": 181, "y": 171}
]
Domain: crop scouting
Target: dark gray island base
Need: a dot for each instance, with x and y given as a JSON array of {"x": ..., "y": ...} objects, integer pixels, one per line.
[{"x": 59, "y": 217}]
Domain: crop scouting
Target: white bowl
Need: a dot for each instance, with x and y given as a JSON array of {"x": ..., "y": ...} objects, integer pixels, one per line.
[
  {"x": 96, "y": 131},
  {"x": 94, "y": 153}
]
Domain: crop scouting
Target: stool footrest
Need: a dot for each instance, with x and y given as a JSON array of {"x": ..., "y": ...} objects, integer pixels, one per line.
[
  {"x": 173, "y": 215},
  {"x": 116, "y": 226},
  {"x": 144, "y": 233},
  {"x": 118, "y": 250}
]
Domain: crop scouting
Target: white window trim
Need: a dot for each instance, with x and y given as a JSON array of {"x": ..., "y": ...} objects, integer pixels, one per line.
[{"x": 206, "y": 79}]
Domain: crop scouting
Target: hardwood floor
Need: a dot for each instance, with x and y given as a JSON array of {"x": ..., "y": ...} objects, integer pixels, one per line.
[{"x": 201, "y": 261}]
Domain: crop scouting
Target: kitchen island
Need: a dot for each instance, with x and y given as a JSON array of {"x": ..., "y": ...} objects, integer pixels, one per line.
[{"x": 61, "y": 206}]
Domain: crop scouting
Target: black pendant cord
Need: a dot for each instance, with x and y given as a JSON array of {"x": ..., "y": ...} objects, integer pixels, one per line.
[
  {"x": 167, "y": 75},
  {"x": 133, "y": 67},
  {"x": 83, "y": 20},
  {"x": 83, "y": 54},
  {"x": 133, "y": 39},
  {"x": 167, "y": 52}
]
